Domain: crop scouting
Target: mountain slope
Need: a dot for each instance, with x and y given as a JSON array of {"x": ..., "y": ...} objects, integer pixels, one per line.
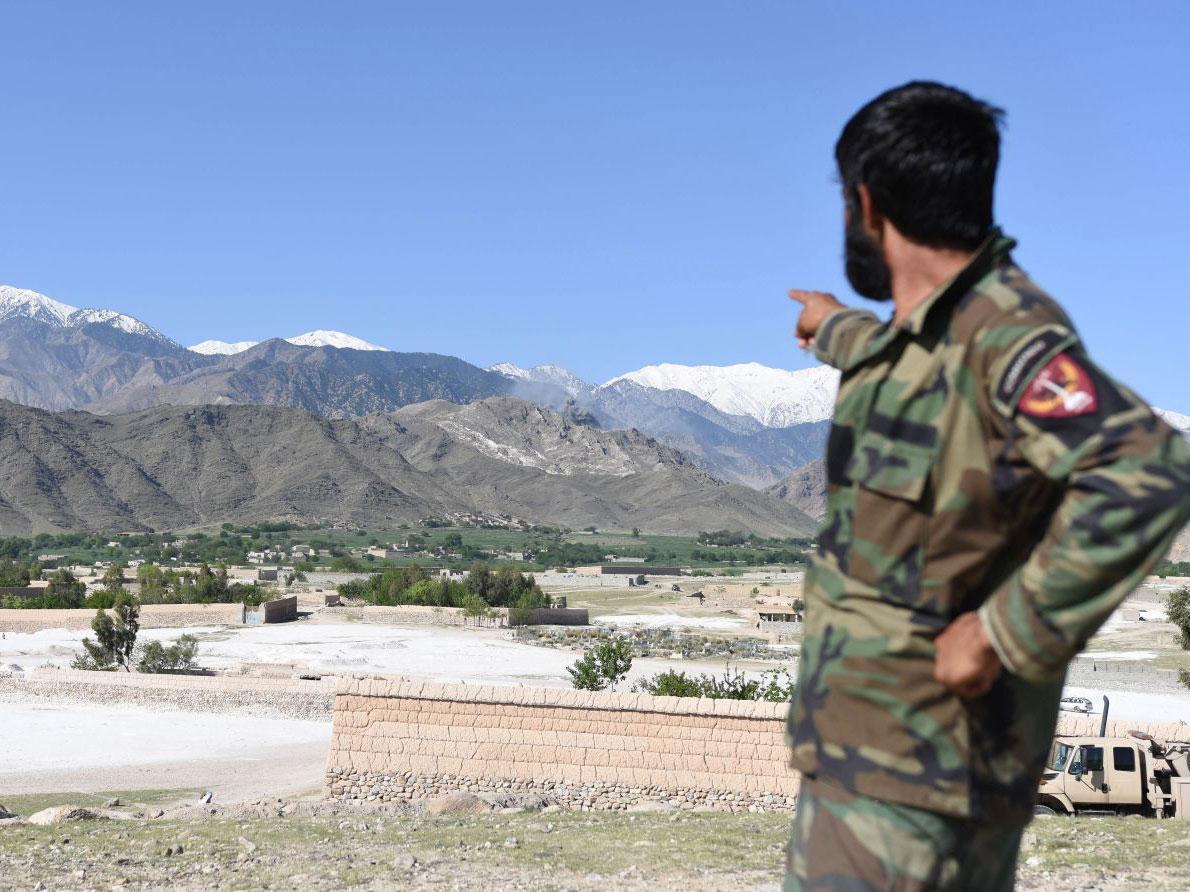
[
  {"x": 177, "y": 467},
  {"x": 329, "y": 381},
  {"x": 506, "y": 455},
  {"x": 805, "y": 489}
]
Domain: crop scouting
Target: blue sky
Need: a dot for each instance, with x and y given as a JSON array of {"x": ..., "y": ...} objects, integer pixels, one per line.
[{"x": 601, "y": 185}]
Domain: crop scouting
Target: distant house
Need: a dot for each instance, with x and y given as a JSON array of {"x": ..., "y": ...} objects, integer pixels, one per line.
[
  {"x": 637, "y": 570},
  {"x": 265, "y": 574},
  {"x": 303, "y": 551},
  {"x": 265, "y": 557},
  {"x": 384, "y": 553}
]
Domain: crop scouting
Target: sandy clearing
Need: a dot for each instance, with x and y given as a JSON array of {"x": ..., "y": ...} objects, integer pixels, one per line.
[
  {"x": 59, "y": 646},
  {"x": 1131, "y": 705},
  {"x": 72, "y": 746}
]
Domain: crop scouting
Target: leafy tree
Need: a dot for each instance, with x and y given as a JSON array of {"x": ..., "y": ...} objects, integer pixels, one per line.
[
  {"x": 177, "y": 657},
  {"x": 346, "y": 564},
  {"x": 1177, "y": 608},
  {"x": 115, "y": 632},
  {"x": 603, "y": 666},
  {"x": 636, "y": 532},
  {"x": 113, "y": 577},
  {"x": 473, "y": 605},
  {"x": 14, "y": 574},
  {"x": 64, "y": 591}
]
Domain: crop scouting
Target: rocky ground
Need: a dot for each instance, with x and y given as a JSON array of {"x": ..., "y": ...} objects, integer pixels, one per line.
[{"x": 319, "y": 845}]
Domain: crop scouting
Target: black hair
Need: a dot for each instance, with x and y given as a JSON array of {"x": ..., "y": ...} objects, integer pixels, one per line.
[{"x": 928, "y": 155}]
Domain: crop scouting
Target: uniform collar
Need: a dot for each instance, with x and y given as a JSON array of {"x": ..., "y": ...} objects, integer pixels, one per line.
[{"x": 995, "y": 246}]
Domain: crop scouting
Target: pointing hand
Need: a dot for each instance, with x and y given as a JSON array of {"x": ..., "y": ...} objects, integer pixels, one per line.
[{"x": 816, "y": 306}]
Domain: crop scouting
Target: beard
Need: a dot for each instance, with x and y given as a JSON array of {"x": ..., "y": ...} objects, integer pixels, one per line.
[{"x": 866, "y": 268}]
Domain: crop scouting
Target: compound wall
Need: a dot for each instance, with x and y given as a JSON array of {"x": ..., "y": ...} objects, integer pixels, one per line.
[
  {"x": 398, "y": 740},
  {"x": 152, "y": 616}
]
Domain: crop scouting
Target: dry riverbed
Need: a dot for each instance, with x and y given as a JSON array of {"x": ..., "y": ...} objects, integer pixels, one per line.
[{"x": 317, "y": 845}]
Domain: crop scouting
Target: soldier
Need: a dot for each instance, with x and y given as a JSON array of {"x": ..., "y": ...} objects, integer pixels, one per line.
[{"x": 992, "y": 497}]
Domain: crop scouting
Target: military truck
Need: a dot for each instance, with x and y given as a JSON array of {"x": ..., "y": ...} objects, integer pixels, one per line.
[{"x": 1136, "y": 774}]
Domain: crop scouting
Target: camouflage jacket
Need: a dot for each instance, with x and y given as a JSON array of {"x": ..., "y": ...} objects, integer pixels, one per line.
[{"x": 978, "y": 460}]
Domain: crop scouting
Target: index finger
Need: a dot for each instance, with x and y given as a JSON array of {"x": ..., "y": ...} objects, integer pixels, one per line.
[{"x": 800, "y": 296}]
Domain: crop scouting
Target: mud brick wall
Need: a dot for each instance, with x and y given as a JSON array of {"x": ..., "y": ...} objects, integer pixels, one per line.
[
  {"x": 278, "y": 610},
  {"x": 1072, "y": 725},
  {"x": 402, "y": 740},
  {"x": 152, "y": 616}
]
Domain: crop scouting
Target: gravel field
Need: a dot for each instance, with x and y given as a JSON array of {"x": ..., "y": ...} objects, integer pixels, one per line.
[{"x": 279, "y": 845}]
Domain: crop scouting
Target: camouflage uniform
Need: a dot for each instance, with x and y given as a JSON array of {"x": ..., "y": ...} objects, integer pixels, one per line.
[{"x": 978, "y": 460}]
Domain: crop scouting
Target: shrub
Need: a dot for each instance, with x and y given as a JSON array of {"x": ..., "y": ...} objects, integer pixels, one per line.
[
  {"x": 177, "y": 657},
  {"x": 774, "y": 686},
  {"x": 1184, "y": 677},
  {"x": 1177, "y": 608},
  {"x": 603, "y": 666}
]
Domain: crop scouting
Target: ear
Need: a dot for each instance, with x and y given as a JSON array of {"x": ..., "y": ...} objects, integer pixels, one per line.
[{"x": 873, "y": 220}]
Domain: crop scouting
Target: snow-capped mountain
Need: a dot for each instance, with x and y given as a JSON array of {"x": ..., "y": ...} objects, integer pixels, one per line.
[
  {"x": 16, "y": 302},
  {"x": 23, "y": 302},
  {"x": 318, "y": 338},
  {"x": 544, "y": 374},
  {"x": 221, "y": 348},
  {"x": 323, "y": 338},
  {"x": 774, "y": 397}
]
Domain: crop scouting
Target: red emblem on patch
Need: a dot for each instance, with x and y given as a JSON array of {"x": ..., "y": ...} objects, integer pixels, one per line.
[{"x": 1062, "y": 389}]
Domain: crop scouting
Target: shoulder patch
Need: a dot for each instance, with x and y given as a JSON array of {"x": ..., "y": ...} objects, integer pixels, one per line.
[
  {"x": 1026, "y": 360},
  {"x": 1062, "y": 389}
]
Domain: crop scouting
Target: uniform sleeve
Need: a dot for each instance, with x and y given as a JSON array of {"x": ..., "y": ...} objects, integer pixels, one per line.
[
  {"x": 843, "y": 335},
  {"x": 1124, "y": 478}
]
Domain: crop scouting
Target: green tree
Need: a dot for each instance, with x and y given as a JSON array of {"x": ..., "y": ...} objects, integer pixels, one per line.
[
  {"x": 1177, "y": 608},
  {"x": 64, "y": 591},
  {"x": 115, "y": 634},
  {"x": 346, "y": 564},
  {"x": 113, "y": 577},
  {"x": 13, "y": 574},
  {"x": 473, "y": 605},
  {"x": 603, "y": 666}
]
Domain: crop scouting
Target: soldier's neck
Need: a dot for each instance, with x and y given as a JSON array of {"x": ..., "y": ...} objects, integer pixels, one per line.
[{"x": 918, "y": 271}]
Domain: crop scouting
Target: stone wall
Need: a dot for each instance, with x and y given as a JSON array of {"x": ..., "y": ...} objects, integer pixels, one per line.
[
  {"x": 152, "y": 616},
  {"x": 288, "y": 697},
  {"x": 553, "y": 616},
  {"x": 400, "y": 740},
  {"x": 414, "y": 615}
]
